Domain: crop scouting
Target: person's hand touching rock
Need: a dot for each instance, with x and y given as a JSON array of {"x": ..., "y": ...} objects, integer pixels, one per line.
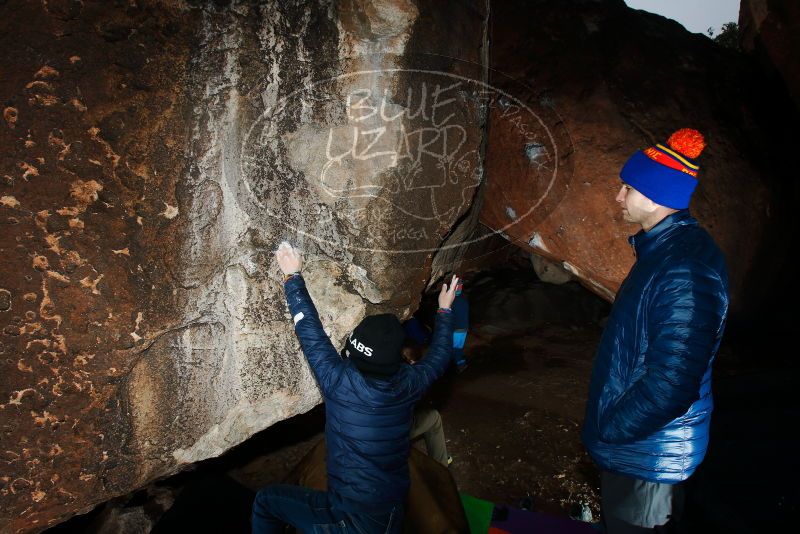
[{"x": 289, "y": 258}]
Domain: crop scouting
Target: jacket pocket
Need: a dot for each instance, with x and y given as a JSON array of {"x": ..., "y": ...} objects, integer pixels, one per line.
[{"x": 331, "y": 528}]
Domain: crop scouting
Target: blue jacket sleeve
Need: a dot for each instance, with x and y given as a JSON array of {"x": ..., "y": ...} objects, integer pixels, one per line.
[
  {"x": 686, "y": 318},
  {"x": 323, "y": 358},
  {"x": 430, "y": 368}
]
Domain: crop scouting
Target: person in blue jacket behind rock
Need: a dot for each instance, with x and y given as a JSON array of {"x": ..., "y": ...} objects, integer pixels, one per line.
[
  {"x": 649, "y": 407},
  {"x": 460, "y": 326},
  {"x": 421, "y": 334},
  {"x": 369, "y": 396}
]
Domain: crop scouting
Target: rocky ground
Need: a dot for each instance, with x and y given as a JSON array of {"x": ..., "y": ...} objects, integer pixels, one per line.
[{"x": 513, "y": 420}]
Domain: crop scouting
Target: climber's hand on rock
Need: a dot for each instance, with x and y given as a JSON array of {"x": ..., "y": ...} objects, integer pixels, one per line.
[
  {"x": 448, "y": 294},
  {"x": 289, "y": 258}
]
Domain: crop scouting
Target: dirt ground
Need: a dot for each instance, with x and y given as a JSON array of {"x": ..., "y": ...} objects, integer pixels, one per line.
[{"x": 513, "y": 417}]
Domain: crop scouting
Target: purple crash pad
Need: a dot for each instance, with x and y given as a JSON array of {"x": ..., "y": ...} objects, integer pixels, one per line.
[{"x": 524, "y": 522}]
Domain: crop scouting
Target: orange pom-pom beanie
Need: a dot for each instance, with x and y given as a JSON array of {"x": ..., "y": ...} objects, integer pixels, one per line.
[{"x": 667, "y": 174}]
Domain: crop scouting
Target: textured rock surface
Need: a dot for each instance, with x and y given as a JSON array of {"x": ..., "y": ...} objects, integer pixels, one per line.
[
  {"x": 153, "y": 153},
  {"x": 771, "y": 30},
  {"x": 601, "y": 81},
  {"x": 550, "y": 271}
]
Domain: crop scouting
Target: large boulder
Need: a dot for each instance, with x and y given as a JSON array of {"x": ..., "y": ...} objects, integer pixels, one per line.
[
  {"x": 770, "y": 29},
  {"x": 769, "y": 33},
  {"x": 154, "y": 153}
]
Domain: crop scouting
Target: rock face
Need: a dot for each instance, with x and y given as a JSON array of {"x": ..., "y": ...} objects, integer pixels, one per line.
[
  {"x": 511, "y": 301},
  {"x": 549, "y": 271},
  {"x": 153, "y": 155},
  {"x": 769, "y": 33},
  {"x": 771, "y": 30},
  {"x": 595, "y": 82}
]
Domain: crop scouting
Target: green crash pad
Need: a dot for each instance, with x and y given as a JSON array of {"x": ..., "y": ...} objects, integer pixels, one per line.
[{"x": 479, "y": 513}]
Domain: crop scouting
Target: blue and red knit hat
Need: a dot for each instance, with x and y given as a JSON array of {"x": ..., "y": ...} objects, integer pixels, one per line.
[{"x": 667, "y": 175}]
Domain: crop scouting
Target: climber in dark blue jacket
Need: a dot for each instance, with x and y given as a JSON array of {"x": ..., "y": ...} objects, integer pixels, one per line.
[
  {"x": 369, "y": 398},
  {"x": 649, "y": 407}
]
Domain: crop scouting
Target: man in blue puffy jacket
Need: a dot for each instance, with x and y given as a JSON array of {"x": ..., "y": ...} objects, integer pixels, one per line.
[
  {"x": 649, "y": 407},
  {"x": 369, "y": 397}
]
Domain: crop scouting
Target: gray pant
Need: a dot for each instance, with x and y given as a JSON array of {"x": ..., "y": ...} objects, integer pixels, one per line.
[
  {"x": 630, "y": 505},
  {"x": 428, "y": 423}
]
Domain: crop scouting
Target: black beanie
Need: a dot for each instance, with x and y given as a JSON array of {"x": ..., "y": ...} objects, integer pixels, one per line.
[{"x": 375, "y": 345}]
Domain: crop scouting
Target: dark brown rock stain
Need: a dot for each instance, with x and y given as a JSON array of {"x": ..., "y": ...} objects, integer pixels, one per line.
[{"x": 91, "y": 134}]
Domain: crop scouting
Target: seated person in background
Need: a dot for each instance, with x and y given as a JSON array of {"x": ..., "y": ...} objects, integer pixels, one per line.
[
  {"x": 369, "y": 397},
  {"x": 427, "y": 421},
  {"x": 460, "y": 326}
]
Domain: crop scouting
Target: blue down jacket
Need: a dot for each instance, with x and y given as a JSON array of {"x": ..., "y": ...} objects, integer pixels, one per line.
[
  {"x": 367, "y": 421},
  {"x": 649, "y": 406}
]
